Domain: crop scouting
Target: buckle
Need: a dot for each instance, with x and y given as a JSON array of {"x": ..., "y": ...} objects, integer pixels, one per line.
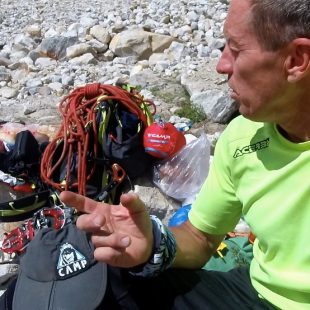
[{"x": 17, "y": 240}]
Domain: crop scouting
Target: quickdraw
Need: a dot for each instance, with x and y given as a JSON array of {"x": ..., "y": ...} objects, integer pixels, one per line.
[
  {"x": 118, "y": 175},
  {"x": 17, "y": 240}
]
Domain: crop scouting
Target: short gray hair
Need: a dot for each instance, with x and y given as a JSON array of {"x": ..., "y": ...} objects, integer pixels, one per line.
[{"x": 277, "y": 22}]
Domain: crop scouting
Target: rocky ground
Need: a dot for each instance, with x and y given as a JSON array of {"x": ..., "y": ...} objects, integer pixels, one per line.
[
  {"x": 168, "y": 48},
  {"x": 47, "y": 48}
]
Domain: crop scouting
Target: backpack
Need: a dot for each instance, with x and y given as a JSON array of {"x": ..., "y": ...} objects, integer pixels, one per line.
[
  {"x": 100, "y": 141},
  {"x": 24, "y": 157},
  {"x": 22, "y": 193},
  {"x": 233, "y": 252}
]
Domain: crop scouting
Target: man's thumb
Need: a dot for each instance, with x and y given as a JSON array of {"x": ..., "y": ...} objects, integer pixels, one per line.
[{"x": 132, "y": 202}]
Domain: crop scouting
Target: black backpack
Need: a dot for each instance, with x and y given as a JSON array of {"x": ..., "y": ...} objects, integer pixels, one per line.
[{"x": 19, "y": 201}]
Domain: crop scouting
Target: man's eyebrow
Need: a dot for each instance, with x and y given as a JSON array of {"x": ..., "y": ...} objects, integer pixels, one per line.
[
  {"x": 229, "y": 37},
  {"x": 231, "y": 40}
]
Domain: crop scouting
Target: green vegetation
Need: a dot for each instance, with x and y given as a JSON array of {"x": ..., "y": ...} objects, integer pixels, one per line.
[
  {"x": 166, "y": 96},
  {"x": 180, "y": 99},
  {"x": 195, "y": 113}
]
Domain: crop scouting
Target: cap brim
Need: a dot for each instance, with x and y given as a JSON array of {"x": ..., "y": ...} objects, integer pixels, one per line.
[{"x": 79, "y": 293}]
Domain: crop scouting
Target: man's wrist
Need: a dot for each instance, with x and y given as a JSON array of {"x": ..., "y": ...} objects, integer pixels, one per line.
[{"x": 163, "y": 254}]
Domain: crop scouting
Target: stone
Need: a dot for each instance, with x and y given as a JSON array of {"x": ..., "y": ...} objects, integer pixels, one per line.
[
  {"x": 101, "y": 34},
  {"x": 8, "y": 92}
]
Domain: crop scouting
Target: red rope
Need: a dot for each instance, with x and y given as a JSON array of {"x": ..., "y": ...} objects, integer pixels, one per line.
[{"x": 78, "y": 111}]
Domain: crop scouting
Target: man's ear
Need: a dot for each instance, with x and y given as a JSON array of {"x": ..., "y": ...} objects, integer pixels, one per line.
[{"x": 297, "y": 64}]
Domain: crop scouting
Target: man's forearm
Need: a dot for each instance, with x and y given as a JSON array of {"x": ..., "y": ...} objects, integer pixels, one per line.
[{"x": 194, "y": 248}]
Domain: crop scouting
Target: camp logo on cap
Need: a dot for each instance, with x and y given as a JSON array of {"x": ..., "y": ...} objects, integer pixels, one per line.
[{"x": 70, "y": 261}]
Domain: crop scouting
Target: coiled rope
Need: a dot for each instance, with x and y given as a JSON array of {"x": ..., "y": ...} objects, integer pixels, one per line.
[{"x": 78, "y": 111}]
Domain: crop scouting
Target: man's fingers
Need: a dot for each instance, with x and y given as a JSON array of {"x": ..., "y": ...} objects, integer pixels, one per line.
[
  {"x": 132, "y": 202},
  {"x": 79, "y": 202},
  {"x": 110, "y": 248},
  {"x": 91, "y": 222},
  {"x": 118, "y": 241}
]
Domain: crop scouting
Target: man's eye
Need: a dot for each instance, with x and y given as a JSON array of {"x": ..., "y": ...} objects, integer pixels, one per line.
[{"x": 235, "y": 51}]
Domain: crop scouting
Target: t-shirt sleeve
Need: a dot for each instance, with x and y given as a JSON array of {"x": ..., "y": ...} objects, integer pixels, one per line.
[{"x": 217, "y": 210}]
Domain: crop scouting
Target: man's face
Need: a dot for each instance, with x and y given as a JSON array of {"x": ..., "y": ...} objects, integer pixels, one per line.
[{"x": 256, "y": 76}]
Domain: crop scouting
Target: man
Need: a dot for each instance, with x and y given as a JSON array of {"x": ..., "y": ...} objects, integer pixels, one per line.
[{"x": 260, "y": 170}]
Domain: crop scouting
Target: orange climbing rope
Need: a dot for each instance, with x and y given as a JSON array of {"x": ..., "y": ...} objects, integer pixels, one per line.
[{"x": 78, "y": 125}]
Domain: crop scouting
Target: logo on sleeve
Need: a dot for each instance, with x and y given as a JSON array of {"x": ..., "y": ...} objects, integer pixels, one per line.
[
  {"x": 252, "y": 148},
  {"x": 70, "y": 261}
]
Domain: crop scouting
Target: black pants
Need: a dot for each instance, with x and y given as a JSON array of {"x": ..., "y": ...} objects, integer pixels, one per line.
[
  {"x": 175, "y": 289},
  {"x": 184, "y": 289}
]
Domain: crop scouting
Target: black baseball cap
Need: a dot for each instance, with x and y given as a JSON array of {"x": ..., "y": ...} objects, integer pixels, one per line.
[{"x": 58, "y": 271}]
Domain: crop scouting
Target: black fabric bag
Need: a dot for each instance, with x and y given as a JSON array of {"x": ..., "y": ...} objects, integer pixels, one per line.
[
  {"x": 23, "y": 163},
  {"x": 25, "y": 156},
  {"x": 122, "y": 142}
]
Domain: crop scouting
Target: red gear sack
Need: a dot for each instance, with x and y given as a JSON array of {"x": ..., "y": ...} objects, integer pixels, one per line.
[{"x": 163, "y": 140}]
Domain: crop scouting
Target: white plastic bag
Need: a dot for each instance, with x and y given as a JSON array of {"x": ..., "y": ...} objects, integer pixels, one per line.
[{"x": 183, "y": 175}]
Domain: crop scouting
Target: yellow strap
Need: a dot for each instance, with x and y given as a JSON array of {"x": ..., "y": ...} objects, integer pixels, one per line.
[
  {"x": 147, "y": 112},
  {"x": 21, "y": 211},
  {"x": 220, "y": 248}
]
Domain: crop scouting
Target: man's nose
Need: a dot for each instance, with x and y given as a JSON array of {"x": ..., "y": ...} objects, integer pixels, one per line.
[{"x": 225, "y": 63}]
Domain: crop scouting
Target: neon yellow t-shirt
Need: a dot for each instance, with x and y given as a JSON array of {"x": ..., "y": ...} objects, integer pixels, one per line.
[{"x": 259, "y": 174}]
